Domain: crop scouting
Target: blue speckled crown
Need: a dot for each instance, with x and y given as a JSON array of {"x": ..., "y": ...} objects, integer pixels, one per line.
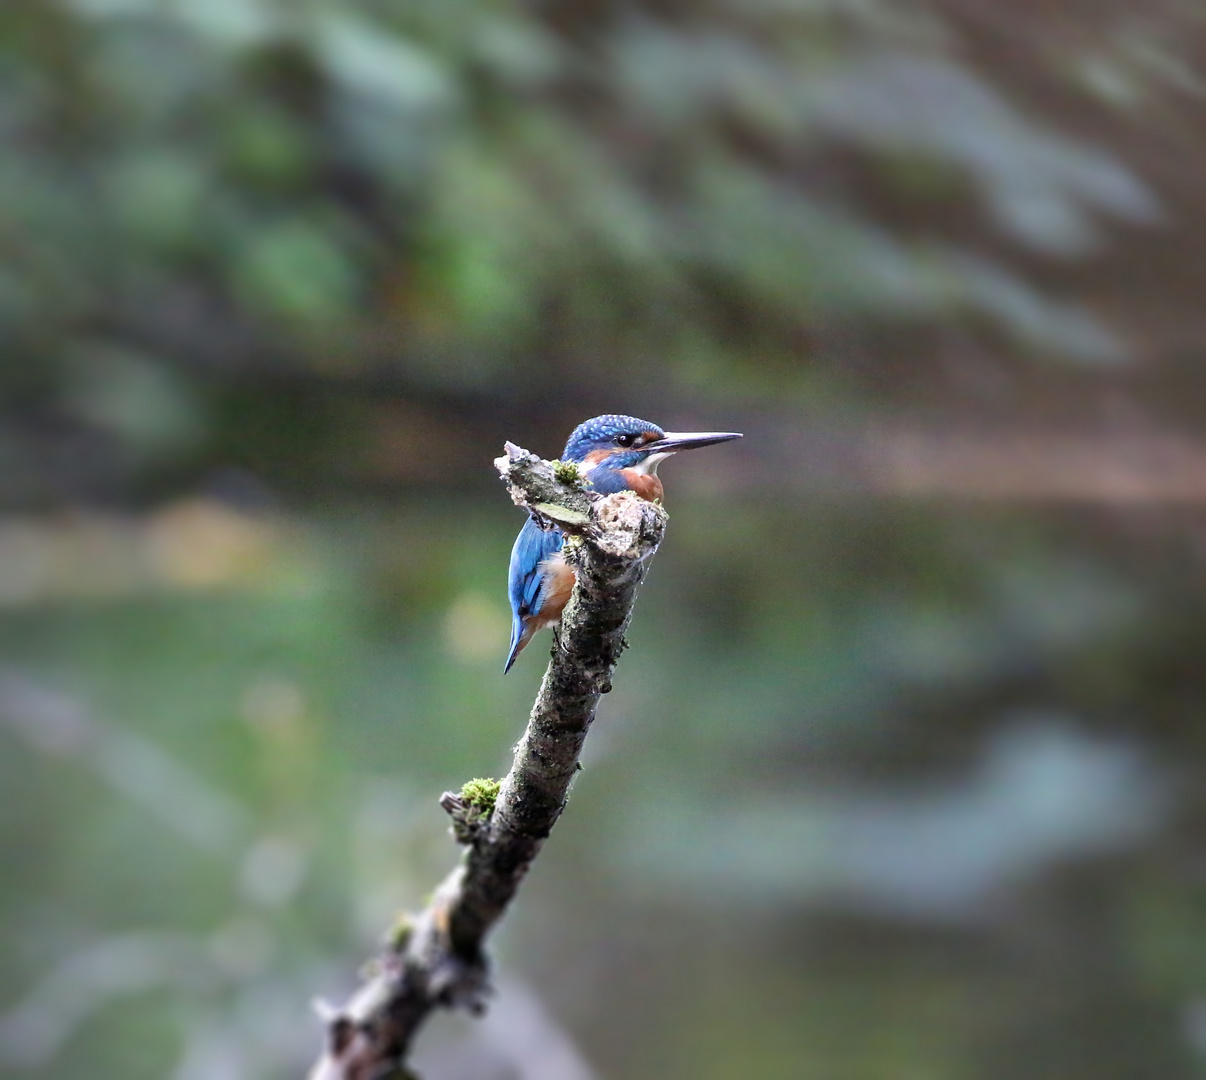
[{"x": 601, "y": 431}]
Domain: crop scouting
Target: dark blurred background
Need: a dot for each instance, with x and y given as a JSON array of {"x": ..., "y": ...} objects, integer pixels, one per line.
[{"x": 903, "y": 776}]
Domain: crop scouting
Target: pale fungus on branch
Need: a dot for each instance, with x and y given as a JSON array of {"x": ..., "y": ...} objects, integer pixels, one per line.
[{"x": 436, "y": 958}]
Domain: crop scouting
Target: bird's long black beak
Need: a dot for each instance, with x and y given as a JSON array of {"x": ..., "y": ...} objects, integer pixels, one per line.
[{"x": 674, "y": 441}]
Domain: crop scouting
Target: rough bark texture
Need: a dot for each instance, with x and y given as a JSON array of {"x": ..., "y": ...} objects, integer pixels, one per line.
[{"x": 438, "y": 958}]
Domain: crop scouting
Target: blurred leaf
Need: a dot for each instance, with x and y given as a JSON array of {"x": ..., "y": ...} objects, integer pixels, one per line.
[
  {"x": 134, "y": 396},
  {"x": 368, "y": 60},
  {"x": 294, "y": 270}
]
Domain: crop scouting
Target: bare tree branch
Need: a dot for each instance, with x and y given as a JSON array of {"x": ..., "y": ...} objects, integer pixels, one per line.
[{"x": 438, "y": 958}]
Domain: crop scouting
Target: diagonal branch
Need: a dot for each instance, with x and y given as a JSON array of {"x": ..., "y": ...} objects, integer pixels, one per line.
[{"x": 437, "y": 959}]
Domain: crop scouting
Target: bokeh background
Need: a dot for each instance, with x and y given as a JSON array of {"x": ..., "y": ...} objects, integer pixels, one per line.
[{"x": 903, "y": 776}]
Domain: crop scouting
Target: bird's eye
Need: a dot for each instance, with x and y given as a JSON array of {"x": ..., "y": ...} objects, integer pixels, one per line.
[{"x": 625, "y": 440}]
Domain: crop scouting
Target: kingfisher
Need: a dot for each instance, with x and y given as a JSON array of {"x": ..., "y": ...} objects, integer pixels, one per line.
[{"x": 614, "y": 453}]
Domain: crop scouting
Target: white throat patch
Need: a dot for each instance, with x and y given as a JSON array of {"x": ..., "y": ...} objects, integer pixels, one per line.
[{"x": 648, "y": 467}]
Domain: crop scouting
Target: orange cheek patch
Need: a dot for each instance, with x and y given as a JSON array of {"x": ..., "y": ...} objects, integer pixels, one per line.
[{"x": 595, "y": 456}]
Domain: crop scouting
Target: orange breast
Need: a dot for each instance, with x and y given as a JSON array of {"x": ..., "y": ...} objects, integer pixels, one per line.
[
  {"x": 647, "y": 487},
  {"x": 558, "y": 584}
]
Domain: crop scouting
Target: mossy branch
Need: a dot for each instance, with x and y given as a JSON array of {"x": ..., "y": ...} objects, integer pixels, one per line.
[{"x": 439, "y": 960}]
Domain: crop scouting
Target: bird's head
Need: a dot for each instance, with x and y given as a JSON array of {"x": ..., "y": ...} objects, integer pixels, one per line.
[{"x": 624, "y": 442}]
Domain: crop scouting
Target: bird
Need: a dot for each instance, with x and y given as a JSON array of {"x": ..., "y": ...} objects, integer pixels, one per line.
[{"x": 614, "y": 453}]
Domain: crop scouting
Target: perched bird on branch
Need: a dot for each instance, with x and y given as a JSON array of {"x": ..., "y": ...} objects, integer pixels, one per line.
[{"x": 613, "y": 453}]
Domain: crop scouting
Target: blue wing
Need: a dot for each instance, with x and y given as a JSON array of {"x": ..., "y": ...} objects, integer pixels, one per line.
[
  {"x": 607, "y": 481},
  {"x": 525, "y": 583}
]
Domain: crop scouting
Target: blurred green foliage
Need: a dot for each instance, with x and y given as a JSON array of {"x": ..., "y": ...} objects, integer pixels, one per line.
[
  {"x": 451, "y": 201},
  {"x": 901, "y": 777}
]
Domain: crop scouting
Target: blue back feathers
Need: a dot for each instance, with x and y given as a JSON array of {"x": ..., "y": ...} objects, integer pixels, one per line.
[
  {"x": 532, "y": 546},
  {"x": 525, "y": 583}
]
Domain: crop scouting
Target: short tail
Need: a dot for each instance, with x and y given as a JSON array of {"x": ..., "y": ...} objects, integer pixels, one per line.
[{"x": 519, "y": 638}]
